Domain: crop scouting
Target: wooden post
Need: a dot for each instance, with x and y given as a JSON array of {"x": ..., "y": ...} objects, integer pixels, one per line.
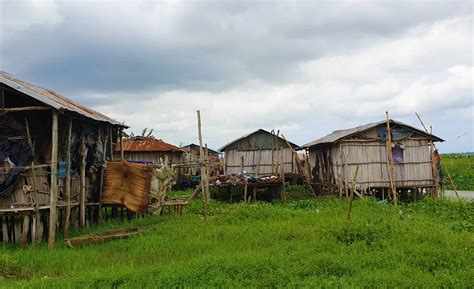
[
  {"x": 2, "y": 96},
  {"x": 391, "y": 168},
  {"x": 306, "y": 175},
  {"x": 349, "y": 212},
  {"x": 203, "y": 168},
  {"x": 67, "y": 180},
  {"x": 121, "y": 144},
  {"x": 54, "y": 182},
  {"x": 36, "y": 215},
  {"x": 82, "y": 196},
  {"x": 442, "y": 163},
  {"x": 242, "y": 163},
  {"x": 282, "y": 175},
  {"x": 258, "y": 163},
  {"x": 207, "y": 159},
  {"x": 433, "y": 168}
]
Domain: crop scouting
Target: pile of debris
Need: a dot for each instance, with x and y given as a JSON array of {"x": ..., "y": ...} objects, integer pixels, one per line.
[{"x": 242, "y": 178}]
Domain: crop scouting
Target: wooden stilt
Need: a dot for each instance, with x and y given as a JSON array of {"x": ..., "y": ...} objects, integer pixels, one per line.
[
  {"x": 67, "y": 180},
  {"x": 54, "y": 182},
  {"x": 205, "y": 191},
  {"x": 82, "y": 197},
  {"x": 390, "y": 165}
]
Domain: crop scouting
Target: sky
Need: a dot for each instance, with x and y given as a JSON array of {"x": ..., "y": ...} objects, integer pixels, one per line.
[{"x": 305, "y": 68}]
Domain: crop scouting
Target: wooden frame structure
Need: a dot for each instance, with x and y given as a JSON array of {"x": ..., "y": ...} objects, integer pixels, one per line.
[
  {"x": 260, "y": 153},
  {"x": 68, "y": 144},
  {"x": 334, "y": 158}
]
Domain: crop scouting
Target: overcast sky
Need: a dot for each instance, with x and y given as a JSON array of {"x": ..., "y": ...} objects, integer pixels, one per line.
[{"x": 303, "y": 67}]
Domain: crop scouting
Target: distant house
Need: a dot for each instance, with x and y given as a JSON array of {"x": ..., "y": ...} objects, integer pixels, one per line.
[
  {"x": 260, "y": 153},
  {"x": 192, "y": 154},
  {"x": 149, "y": 150},
  {"x": 335, "y": 157}
]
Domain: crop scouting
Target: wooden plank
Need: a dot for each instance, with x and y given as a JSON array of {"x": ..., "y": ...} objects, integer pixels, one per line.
[
  {"x": 25, "y": 108},
  {"x": 54, "y": 182}
]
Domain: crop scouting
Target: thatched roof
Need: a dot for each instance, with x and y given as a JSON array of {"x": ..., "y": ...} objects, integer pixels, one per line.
[{"x": 338, "y": 135}]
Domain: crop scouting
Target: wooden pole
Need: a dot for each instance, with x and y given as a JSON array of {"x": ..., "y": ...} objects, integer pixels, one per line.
[
  {"x": 282, "y": 176},
  {"x": 433, "y": 168},
  {"x": 2, "y": 96},
  {"x": 203, "y": 168},
  {"x": 390, "y": 161},
  {"x": 82, "y": 196},
  {"x": 207, "y": 166},
  {"x": 54, "y": 182},
  {"x": 349, "y": 212},
  {"x": 36, "y": 215},
  {"x": 121, "y": 144},
  {"x": 67, "y": 180},
  {"x": 306, "y": 174},
  {"x": 441, "y": 160}
]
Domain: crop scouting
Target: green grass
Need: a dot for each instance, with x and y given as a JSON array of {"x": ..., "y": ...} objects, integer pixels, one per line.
[
  {"x": 303, "y": 243},
  {"x": 461, "y": 168}
]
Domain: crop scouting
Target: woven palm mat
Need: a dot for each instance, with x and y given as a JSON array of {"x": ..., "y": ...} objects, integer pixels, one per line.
[{"x": 127, "y": 184}]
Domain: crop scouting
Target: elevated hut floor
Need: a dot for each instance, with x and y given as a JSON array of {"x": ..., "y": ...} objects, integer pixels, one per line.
[
  {"x": 404, "y": 193},
  {"x": 250, "y": 192},
  {"x": 17, "y": 224}
]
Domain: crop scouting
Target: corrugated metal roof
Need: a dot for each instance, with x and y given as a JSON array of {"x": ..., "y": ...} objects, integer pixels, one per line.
[
  {"x": 195, "y": 145},
  {"x": 340, "y": 134},
  {"x": 147, "y": 144},
  {"x": 53, "y": 99},
  {"x": 249, "y": 134}
]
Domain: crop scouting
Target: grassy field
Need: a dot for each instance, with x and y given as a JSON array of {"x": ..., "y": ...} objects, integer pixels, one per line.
[
  {"x": 302, "y": 243},
  {"x": 461, "y": 168}
]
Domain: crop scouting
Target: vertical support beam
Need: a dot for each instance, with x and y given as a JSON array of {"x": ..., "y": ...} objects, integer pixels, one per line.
[
  {"x": 121, "y": 144},
  {"x": 36, "y": 215},
  {"x": 2, "y": 96},
  {"x": 433, "y": 168},
  {"x": 391, "y": 169},
  {"x": 54, "y": 182},
  {"x": 242, "y": 163},
  {"x": 282, "y": 174},
  {"x": 82, "y": 196},
  {"x": 67, "y": 180},
  {"x": 205, "y": 189}
]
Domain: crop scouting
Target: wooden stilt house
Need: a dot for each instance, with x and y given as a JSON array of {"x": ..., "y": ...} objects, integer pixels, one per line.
[
  {"x": 150, "y": 150},
  {"x": 52, "y": 154},
  {"x": 192, "y": 155},
  {"x": 334, "y": 158},
  {"x": 260, "y": 153}
]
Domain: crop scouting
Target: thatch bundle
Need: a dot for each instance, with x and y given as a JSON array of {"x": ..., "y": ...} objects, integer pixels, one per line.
[{"x": 127, "y": 184}]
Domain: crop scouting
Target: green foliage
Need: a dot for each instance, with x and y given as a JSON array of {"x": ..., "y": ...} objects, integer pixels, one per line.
[
  {"x": 298, "y": 192},
  {"x": 308, "y": 243},
  {"x": 461, "y": 168}
]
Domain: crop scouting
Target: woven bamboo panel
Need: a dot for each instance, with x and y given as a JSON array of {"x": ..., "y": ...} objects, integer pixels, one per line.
[{"x": 127, "y": 184}]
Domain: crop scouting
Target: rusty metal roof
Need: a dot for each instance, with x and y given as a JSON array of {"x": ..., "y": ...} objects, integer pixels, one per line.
[
  {"x": 147, "y": 144},
  {"x": 222, "y": 149},
  {"x": 54, "y": 99},
  {"x": 337, "y": 135}
]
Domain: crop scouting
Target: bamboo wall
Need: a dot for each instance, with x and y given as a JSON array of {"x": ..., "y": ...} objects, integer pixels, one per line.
[
  {"x": 371, "y": 157},
  {"x": 260, "y": 162}
]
